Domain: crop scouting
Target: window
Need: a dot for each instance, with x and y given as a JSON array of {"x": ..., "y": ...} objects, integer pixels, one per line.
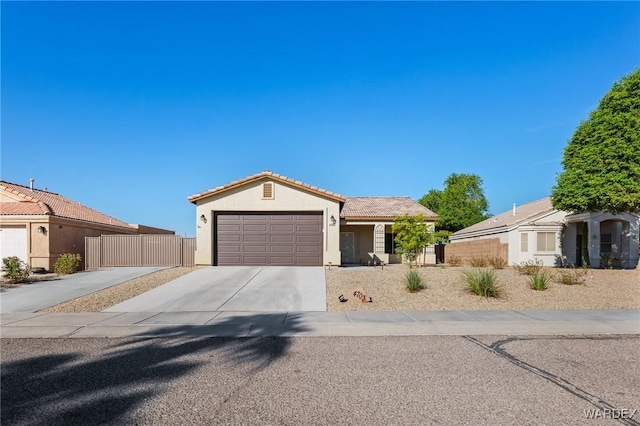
[
  {"x": 389, "y": 243},
  {"x": 267, "y": 191},
  {"x": 546, "y": 241},
  {"x": 524, "y": 242},
  {"x": 605, "y": 243}
]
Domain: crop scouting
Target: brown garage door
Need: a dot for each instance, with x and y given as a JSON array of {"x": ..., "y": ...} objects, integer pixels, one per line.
[{"x": 284, "y": 239}]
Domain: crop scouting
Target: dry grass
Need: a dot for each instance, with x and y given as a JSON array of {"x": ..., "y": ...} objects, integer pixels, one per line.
[{"x": 603, "y": 289}]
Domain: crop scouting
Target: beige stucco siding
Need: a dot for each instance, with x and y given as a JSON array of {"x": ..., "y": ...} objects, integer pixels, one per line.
[
  {"x": 248, "y": 198},
  {"x": 60, "y": 235}
]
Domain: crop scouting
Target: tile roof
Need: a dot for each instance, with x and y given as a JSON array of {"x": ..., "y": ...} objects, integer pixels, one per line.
[
  {"x": 525, "y": 214},
  {"x": 383, "y": 207},
  {"x": 48, "y": 203},
  {"x": 264, "y": 175}
]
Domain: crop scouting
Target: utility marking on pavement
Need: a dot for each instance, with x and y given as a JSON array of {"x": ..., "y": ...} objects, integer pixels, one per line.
[
  {"x": 240, "y": 289},
  {"x": 497, "y": 349}
]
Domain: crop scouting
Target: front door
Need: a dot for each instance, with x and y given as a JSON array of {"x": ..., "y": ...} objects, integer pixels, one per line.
[{"x": 346, "y": 247}]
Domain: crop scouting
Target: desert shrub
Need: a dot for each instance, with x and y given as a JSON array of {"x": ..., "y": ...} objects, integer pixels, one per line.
[
  {"x": 454, "y": 260},
  {"x": 413, "y": 281},
  {"x": 571, "y": 276},
  {"x": 483, "y": 282},
  {"x": 497, "y": 262},
  {"x": 539, "y": 281},
  {"x": 15, "y": 270},
  {"x": 529, "y": 267},
  {"x": 608, "y": 261},
  {"x": 68, "y": 263},
  {"x": 479, "y": 262}
]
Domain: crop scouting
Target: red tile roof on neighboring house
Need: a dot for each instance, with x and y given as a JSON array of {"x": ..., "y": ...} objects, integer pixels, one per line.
[
  {"x": 524, "y": 214},
  {"x": 38, "y": 202},
  {"x": 383, "y": 207},
  {"x": 265, "y": 175}
]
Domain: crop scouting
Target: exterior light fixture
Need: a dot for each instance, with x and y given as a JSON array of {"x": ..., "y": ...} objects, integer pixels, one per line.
[
  {"x": 333, "y": 220},
  {"x": 42, "y": 229},
  {"x": 203, "y": 218}
]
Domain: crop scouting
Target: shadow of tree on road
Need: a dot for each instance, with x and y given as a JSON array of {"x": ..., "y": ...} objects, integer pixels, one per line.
[{"x": 85, "y": 381}]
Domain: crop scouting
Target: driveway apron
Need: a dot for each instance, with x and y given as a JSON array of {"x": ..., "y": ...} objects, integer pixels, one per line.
[
  {"x": 43, "y": 294},
  {"x": 236, "y": 288}
]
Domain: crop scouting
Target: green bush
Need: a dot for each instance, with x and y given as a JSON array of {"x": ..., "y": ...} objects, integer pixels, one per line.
[
  {"x": 454, "y": 260},
  {"x": 529, "y": 268},
  {"x": 571, "y": 276},
  {"x": 479, "y": 262},
  {"x": 483, "y": 282},
  {"x": 540, "y": 280},
  {"x": 15, "y": 270},
  {"x": 68, "y": 263},
  {"x": 497, "y": 262},
  {"x": 413, "y": 281}
]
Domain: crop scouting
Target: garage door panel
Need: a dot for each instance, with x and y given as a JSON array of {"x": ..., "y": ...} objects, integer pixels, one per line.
[
  {"x": 286, "y": 239},
  {"x": 253, "y": 238},
  {"x": 254, "y": 227},
  {"x": 252, "y": 248},
  {"x": 283, "y": 218},
  {"x": 230, "y": 237},
  {"x": 282, "y": 249},
  {"x": 269, "y": 239},
  {"x": 277, "y": 227},
  {"x": 282, "y": 260},
  {"x": 253, "y": 260},
  {"x": 13, "y": 242}
]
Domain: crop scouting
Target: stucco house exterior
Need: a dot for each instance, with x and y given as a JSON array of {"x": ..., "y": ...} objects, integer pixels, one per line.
[
  {"x": 537, "y": 232},
  {"x": 38, "y": 226},
  {"x": 270, "y": 219}
]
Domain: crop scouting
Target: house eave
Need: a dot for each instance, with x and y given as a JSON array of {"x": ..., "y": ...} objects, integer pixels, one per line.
[{"x": 221, "y": 190}]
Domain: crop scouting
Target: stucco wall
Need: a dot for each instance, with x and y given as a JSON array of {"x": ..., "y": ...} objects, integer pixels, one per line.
[
  {"x": 248, "y": 198},
  {"x": 60, "y": 235},
  {"x": 467, "y": 250}
]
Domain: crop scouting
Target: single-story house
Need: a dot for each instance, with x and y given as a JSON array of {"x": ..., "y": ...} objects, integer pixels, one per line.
[
  {"x": 538, "y": 232},
  {"x": 270, "y": 219},
  {"x": 38, "y": 226}
]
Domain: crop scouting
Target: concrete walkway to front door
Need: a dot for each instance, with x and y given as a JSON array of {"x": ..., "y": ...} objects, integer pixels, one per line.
[{"x": 236, "y": 288}]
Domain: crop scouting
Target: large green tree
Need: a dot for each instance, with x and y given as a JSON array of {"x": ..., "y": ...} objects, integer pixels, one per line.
[
  {"x": 602, "y": 160},
  {"x": 462, "y": 203}
]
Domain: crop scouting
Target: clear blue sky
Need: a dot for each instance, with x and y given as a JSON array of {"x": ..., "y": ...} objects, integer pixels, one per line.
[{"x": 130, "y": 107}]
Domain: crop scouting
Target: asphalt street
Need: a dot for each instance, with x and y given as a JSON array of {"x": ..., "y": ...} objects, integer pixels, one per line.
[{"x": 411, "y": 380}]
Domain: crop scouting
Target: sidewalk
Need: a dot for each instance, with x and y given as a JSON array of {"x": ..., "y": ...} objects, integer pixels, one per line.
[{"x": 384, "y": 323}]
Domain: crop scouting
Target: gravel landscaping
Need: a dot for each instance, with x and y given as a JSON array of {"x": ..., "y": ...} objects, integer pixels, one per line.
[
  {"x": 108, "y": 297},
  {"x": 445, "y": 290}
]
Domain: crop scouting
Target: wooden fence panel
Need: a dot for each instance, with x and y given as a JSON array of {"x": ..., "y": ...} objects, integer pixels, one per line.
[
  {"x": 188, "y": 251},
  {"x": 91, "y": 252},
  {"x": 139, "y": 250},
  {"x": 161, "y": 250}
]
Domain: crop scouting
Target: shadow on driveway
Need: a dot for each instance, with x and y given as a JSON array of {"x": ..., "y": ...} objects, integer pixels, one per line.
[{"x": 92, "y": 386}]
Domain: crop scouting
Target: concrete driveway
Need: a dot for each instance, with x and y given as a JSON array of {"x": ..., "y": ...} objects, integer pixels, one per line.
[
  {"x": 236, "y": 288},
  {"x": 39, "y": 295}
]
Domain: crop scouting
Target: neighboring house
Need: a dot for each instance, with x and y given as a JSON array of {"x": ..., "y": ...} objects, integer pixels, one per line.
[
  {"x": 613, "y": 237},
  {"x": 38, "y": 226},
  {"x": 537, "y": 232},
  {"x": 269, "y": 219}
]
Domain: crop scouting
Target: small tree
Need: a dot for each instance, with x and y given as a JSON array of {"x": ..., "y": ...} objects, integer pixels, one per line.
[{"x": 412, "y": 235}]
